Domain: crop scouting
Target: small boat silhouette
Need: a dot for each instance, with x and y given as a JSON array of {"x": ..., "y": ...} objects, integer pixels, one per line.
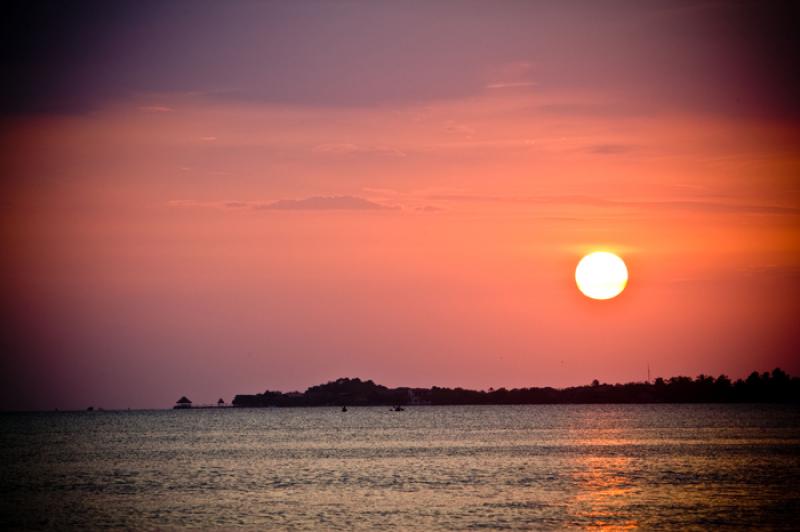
[
  {"x": 344, "y": 409},
  {"x": 398, "y": 408}
]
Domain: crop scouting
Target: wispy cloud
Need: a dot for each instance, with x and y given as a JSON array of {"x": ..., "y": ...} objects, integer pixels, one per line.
[
  {"x": 188, "y": 203},
  {"x": 773, "y": 273},
  {"x": 611, "y": 149},
  {"x": 511, "y": 84},
  {"x": 345, "y": 148},
  {"x": 455, "y": 127},
  {"x": 600, "y": 109},
  {"x": 723, "y": 207},
  {"x": 155, "y": 109},
  {"x": 686, "y": 205},
  {"x": 325, "y": 203},
  {"x": 312, "y": 203}
]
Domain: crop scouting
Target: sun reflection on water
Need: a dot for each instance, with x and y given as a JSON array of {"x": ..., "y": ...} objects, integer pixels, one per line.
[
  {"x": 603, "y": 490},
  {"x": 433, "y": 468}
]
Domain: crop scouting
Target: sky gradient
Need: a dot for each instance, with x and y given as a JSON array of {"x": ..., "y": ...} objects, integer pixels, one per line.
[{"x": 206, "y": 199}]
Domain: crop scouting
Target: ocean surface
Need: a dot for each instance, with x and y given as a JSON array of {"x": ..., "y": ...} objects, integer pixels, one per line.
[{"x": 427, "y": 468}]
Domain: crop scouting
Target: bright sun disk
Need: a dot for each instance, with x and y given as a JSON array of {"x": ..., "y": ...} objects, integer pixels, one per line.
[{"x": 601, "y": 275}]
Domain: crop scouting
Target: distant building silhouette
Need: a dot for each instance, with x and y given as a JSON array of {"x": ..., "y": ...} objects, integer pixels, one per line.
[{"x": 183, "y": 402}]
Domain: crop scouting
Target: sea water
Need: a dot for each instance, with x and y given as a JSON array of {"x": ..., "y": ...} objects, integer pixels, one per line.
[{"x": 426, "y": 468}]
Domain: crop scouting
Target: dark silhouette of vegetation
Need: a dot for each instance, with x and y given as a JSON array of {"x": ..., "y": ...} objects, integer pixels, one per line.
[{"x": 774, "y": 387}]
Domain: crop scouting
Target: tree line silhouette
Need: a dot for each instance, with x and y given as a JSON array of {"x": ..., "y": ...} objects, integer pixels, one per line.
[{"x": 774, "y": 387}]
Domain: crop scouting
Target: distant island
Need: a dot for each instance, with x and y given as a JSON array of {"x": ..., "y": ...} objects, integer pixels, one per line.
[{"x": 774, "y": 387}]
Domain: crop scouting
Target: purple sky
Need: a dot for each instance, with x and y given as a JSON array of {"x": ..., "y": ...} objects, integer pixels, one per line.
[{"x": 210, "y": 198}]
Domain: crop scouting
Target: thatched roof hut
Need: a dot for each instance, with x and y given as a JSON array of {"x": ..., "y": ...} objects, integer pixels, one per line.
[{"x": 183, "y": 402}]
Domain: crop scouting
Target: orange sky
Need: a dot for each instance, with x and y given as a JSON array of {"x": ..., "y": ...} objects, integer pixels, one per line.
[{"x": 161, "y": 241}]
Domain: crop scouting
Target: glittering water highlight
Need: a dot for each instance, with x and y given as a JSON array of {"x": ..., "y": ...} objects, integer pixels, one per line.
[{"x": 495, "y": 467}]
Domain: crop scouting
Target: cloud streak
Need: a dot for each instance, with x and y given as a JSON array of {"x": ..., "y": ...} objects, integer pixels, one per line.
[
  {"x": 344, "y": 148},
  {"x": 324, "y": 203},
  {"x": 686, "y": 205},
  {"x": 155, "y": 109},
  {"x": 611, "y": 149},
  {"x": 511, "y": 84},
  {"x": 312, "y": 203}
]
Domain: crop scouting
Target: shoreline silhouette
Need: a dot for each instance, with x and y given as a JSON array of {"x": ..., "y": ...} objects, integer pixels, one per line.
[{"x": 767, "y": 387}]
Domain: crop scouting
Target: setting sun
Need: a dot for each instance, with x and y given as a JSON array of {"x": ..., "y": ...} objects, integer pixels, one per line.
[
  {"x": 601, "y": 275},
  {"x": 345, "y": 233}
]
